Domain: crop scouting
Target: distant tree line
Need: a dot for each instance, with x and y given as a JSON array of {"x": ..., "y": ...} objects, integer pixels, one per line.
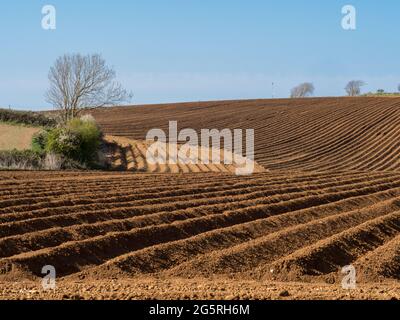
[
  {"x": 26, "y": 118},
  {"x": 353, "y": 89}
]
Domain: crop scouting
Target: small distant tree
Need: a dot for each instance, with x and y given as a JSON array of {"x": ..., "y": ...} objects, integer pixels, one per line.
[
  {"x": 353, "y": 88},
  {"x": 80, "y": 82},
  {"x": 380, "y": 91},
  {"x": 302, "y": 90}
]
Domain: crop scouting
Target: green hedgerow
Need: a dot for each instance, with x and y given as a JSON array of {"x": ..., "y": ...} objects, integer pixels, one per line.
[
  {"x": 20, "y": 160},
  {"x": 27, "y": 118}
]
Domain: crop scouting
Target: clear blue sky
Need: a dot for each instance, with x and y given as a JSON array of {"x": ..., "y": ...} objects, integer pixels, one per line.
[{"x": 191, "y": 50}]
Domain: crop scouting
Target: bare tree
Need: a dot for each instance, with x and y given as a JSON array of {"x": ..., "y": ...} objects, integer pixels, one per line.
[
  {"x": 80, "y": 82},
  {"x": 353, "y": 88},
  {"x": 303, "y": 90}
]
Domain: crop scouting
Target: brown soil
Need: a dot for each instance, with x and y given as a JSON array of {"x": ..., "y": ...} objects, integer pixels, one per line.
[
  {"x": 298, "y": 227},
  {"x": 331, "y": 199},
  {"x": 126, "y": 154},
  {"x": 290, "y": 134},
  {"x": 197, "y": 289}
]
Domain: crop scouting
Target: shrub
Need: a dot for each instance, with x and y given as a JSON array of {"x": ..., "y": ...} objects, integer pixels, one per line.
[
  {"x": 90, "y": 139},
  {"x": 30, "y": 160},
  {"x": 20, "y": 160},
  {"x": 88, "y": 118},
  {"x": 79, "y": 140},
  {"x": 39, "y": 141},
  {"x": 63, "y": 142}
]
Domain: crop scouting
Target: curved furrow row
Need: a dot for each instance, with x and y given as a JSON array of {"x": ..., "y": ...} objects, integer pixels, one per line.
[
  {"x": 330, "y": 255},
  {"x": 328, "y": 145},
  {"x": 31, "y": 241},
  {"x": 381, "y": 263},
  {"x": 85, "y": 203},
  {"x": 184, "y": 255},
  {"x": 271, "y": 247},
  {"x": 72, "y": 256}
]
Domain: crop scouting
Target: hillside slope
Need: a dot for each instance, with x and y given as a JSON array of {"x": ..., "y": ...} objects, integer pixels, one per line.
[{"x": 315, "y": 134}]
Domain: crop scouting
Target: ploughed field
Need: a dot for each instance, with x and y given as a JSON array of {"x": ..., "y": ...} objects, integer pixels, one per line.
[
  {"x": 329, "y": 197},
  {"x": 126, "y": 154},
  {"x": 316, "y": 134},
  {"x": 279, "y": 227}
]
